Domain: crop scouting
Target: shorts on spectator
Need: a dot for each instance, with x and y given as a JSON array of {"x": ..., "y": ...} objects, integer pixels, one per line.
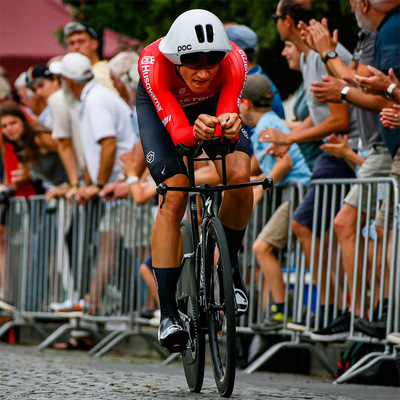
[
  {"x": 395, "y": 173},
  {"x": 326, "y": 167},
  {"x": 377, "y": 164},
  {"x": 275, "y": 231}
]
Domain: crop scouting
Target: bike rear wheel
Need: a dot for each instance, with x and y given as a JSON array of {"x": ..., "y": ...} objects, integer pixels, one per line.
[
  {"x": 220, "y": 311},
  {"x": 193, "y": 358}
]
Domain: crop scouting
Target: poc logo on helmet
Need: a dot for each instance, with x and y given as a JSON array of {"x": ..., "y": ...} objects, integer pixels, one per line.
[{"x": 184, "y": 47}]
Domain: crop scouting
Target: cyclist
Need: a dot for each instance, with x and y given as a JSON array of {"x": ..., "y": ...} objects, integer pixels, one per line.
[{"x": 190, "y": 88}]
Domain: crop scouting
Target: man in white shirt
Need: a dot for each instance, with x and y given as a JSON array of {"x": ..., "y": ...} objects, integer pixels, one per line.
[{"x": 105, "y": 123}]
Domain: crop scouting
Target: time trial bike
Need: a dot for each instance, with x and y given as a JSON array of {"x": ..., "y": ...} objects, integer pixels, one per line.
[{"x": 205, "y": 290}]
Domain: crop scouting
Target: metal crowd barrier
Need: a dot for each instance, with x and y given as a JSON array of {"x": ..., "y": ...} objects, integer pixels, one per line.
[
  {"x": 63, "y": 252},
  {"x": 95, "y": 252},
  {"x": 306, "y": 300}
]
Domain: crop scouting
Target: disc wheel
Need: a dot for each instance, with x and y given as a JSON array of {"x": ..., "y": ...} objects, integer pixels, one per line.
[
  {"x": 188, "y": 304},
  {"x": 220, "y": 303}
]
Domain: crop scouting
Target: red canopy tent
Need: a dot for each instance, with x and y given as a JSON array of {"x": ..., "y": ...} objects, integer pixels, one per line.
[{"x": 27, "y": 34}]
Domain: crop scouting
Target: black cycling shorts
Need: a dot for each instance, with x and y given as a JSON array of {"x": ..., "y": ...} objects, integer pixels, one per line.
[{"x": 161, "y": 155}]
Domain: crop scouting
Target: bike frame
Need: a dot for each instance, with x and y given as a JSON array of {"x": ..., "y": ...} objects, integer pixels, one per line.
[{"x": 206, "y": 193}]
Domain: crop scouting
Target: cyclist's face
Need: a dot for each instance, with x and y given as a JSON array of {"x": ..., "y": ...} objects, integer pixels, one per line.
[
  {"x": 12, "y": 126},
  {"x": 198, "y": 80}
]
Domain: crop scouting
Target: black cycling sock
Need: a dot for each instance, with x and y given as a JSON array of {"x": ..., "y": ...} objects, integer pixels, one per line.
[
  {"x": 234, "y": 239},
  {"x": 166, "y": 280}
]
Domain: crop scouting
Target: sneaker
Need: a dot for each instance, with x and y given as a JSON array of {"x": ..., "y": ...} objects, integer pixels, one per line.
[
  {"x": 376, "y": 329},
  {"x": 338, "y": 329},
  {"x": 172, "y": 336},
  {"x": 394, "y": 337},
  {"x": 67, "y": 305},
  {"x": 148, "y": 314},
  {"x": 66, "y": 310},
  {"x": 273, "y": 321},
  {"x": 302, "y": 325},
  {"x": 242, "y": 303},
  {"x": 6, "y": 306}
]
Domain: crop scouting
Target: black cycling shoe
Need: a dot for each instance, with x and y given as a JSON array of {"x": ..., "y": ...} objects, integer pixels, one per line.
[{"x": 172, "y": 336}]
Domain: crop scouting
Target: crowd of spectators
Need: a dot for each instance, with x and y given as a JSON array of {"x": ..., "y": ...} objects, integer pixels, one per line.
[{"x": 73, "y": 132}]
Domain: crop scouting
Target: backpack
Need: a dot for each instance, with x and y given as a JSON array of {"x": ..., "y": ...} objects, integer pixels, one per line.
[{"x": 380, "y": 373}]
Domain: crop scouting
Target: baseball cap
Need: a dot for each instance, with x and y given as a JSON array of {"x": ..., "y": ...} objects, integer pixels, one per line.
[
  {"x": 75, "y": 66},
  {"x": 258, "y": 89},
  {"x": 35, "y": 73},
  {"x": 73, "y": 27},
  {"x": 243, "y": 36}
]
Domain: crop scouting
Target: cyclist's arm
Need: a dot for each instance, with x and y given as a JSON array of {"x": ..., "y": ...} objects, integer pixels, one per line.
[
  {"x": 156, "y": 74},
  {"x": 233, "y": 70}
]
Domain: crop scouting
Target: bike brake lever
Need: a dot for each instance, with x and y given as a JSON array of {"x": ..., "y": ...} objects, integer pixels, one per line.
[
  {"x": 268, "y": 184},
  {"x": 162, "y": 191}
]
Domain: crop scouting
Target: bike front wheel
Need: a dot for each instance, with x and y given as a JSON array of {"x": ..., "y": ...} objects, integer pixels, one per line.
[
  {"x": 220, "y": 307},
  {"x": 193, "y": 357}
]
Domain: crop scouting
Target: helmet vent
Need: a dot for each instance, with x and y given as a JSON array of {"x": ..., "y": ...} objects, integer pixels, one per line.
[
  {"x": 210, "y": 33},
  {"x": 200, "y": 33}
]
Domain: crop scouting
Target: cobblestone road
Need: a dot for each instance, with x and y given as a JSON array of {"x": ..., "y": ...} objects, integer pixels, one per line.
[{"x": 26, "y": 373}]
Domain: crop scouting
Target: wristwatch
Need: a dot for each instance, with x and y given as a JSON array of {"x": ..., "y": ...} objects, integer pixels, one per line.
[
  {"x": 330, "y": 54},
  {"x": 344, "y": 93},
  {"x": 389, "y": 91}
]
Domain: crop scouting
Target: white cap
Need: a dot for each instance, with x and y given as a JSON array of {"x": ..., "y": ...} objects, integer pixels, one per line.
[{"x": 75, "y": 66}]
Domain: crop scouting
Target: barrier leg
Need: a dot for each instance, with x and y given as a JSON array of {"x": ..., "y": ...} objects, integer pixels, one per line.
[
  {"x": 66, "y": 328},
  {"x": 277, "y": 347},
  {"x": 63, "y": 329},
  {"x": 114, "y": 342},
  {"x": 12, "y": 324},
  {"x": 170, "y": 358},
  {"x": 103, "y": 342},
  {"x": 358, "y": 367}
]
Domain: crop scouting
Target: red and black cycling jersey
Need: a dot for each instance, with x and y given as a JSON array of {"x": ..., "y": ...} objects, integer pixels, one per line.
[{"x": 170, "y": 93}]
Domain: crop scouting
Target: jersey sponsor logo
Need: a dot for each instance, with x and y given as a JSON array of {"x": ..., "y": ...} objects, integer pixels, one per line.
[
  {"x": 189, "y": 101},
  {"x": 184, "y": 47},
  {"x": 163, "y": 170},
  {"x": 150, "y": 157},
  {"x": 146, "y": 81},
  {"x": 244, "y": 59},
  {"x": 182, "y": 90},
  {"x": 166, "y": 120},
  {"x": 148, "y": 60}
]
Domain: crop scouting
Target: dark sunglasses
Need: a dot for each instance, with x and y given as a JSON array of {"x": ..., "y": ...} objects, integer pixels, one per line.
[
  {"x": 276, "y": 17},
  {"x": 202, "y": 59}
]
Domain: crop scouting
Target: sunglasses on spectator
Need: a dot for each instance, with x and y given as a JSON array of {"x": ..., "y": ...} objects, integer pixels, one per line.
[
  {"x": 276, "y": 17},
  {"x": 200, "y": 60}
]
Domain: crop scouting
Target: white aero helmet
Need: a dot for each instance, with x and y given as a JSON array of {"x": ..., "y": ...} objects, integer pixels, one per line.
[{"x": 196, "y": 38}]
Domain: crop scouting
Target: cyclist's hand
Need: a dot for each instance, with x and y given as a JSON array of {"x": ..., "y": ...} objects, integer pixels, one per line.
[
  {"x": 230, "y": 125},
  {"x": 204, "y": 126}
]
